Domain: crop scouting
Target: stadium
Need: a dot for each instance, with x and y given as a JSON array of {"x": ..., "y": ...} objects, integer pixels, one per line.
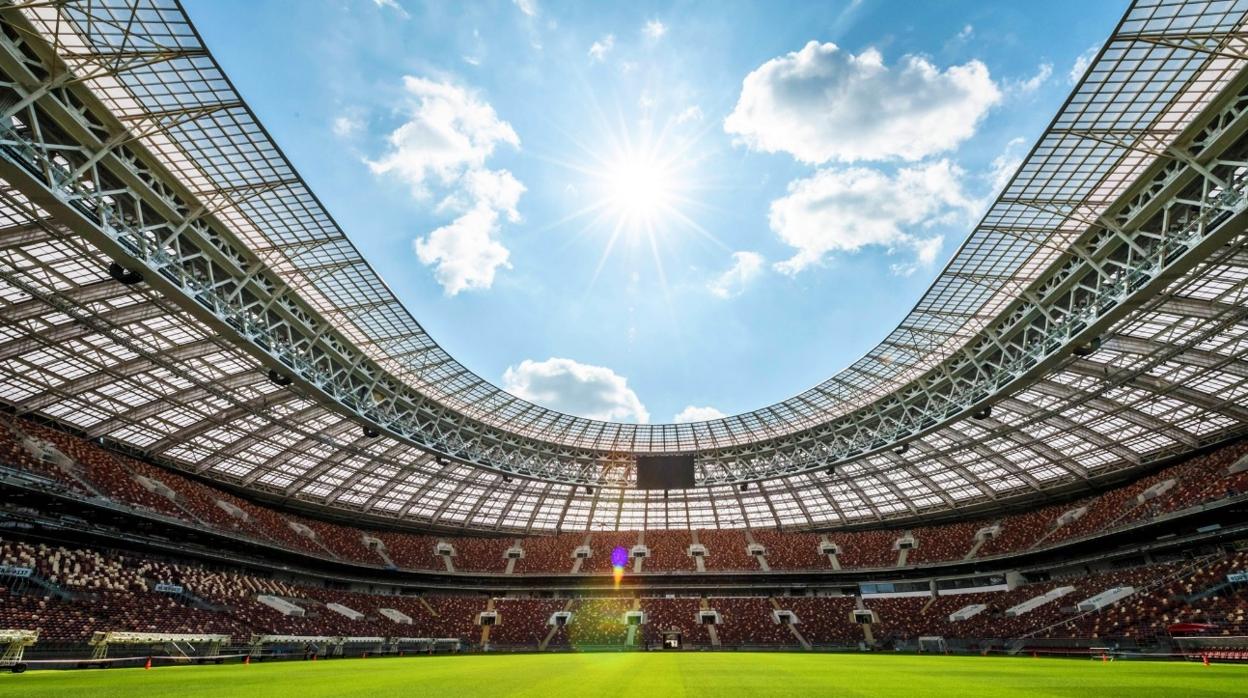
[{"x": 233, "y": 462}]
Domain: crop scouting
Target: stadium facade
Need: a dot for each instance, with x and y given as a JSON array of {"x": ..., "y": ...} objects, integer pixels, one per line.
[{"x": 198, "y": 366}]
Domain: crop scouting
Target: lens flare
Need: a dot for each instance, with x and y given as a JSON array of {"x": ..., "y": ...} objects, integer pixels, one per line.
[{"x": 619, "y": 558}]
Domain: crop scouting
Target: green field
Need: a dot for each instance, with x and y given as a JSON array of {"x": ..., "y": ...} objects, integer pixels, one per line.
[{"x": 640, "y": 675}]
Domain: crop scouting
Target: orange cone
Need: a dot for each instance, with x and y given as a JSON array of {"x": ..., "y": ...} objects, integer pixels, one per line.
[{"x": 148, "y": 665}]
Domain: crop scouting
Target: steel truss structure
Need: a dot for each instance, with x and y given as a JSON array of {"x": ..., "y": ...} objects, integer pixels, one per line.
[{"x": 1097, "y": 309}]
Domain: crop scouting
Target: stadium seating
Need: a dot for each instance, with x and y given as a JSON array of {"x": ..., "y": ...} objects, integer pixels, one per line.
[
  {"x": 792, "y": 551},
  {"x": 749, "y": 621},
  {"x": 599, "y": 623},
  {"x": 524, "y": 622},
  {"x": 825, "y": 620},
  {"x": 1022, "y": 531},
  {"x": 947, "y": 542},
  {"x": 673, "y": 614},
  {"x": 550, "y": 554},
  {"x": 481, "y": 554},
  {"x": 102, "y": 590},
  {"x": 865, "y": 548},
  {"x": 602, "y": 543},
  {"x": 669, "y": 551},
  {"x": 726, "y": 550},
  {"x": 86, "y": 469}
]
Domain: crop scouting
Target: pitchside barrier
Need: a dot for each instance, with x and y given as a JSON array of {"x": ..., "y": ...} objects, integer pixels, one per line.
[
  {"x": 1208, "y": 650},
  {"x": 163, "y": 649}
]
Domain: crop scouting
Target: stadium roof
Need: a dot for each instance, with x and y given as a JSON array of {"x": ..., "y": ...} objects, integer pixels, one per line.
[{"x": 1097, "y": 309}]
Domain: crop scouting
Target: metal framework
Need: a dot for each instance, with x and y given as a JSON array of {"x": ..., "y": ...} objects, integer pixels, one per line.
[{"x": 1098, "y": 307}]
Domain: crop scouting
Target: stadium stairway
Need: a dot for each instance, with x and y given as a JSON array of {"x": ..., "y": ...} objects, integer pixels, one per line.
[
  {"x": 637, "y": 561},
  {"x": 761, "y": 559},
  {"x": 194, "y": 601},
  {"x": 903, "y": 553},
  {"x": 832, "y": 559},
  {"x": 577, "y": 562},
  {"x": 867, "y": 634},
  {"x": 1180, "y": 572},
  {"x": 979, "y": 543},
  {"x": 554, "y": 629},
  {"x": 929, "y": 603},
  {"x": 171, "y": 496},
  {"x": 49, "y": 587},
  {"x": 797, "y": 635},
  {"x": 710, "y": 628},
  {"x": 631, "y": 639},
  {"x": 511, "y": 561},
  {"x": 698, "y": 561},
  {"x": 1052, "y": 529},
  {"x": 485, "y": 629},
  {"x": 385, "y": 556}
]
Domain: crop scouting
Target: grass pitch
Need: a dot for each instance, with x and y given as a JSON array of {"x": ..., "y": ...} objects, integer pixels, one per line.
[{"x": 649, "y": 674}]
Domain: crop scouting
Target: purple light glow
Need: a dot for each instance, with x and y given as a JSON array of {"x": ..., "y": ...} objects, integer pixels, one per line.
[{"x": 619, "y": 556}]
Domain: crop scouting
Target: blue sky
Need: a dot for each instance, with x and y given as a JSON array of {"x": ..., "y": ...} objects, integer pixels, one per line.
[{"x": 627, "y": 211}]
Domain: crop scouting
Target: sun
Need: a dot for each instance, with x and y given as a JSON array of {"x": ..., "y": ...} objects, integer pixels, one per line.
[{"x": 639, "y": 188}]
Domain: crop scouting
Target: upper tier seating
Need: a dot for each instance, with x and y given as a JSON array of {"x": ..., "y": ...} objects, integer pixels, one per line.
[
  {"x": 549, "y": 554},
  {"x": 792, "y": 551},
  {"x": 481, "y": 554},
  {"x": 865, "y": 548},
  {"x": 83, "y": 468},
  {"x": 946, "y": 542},
  {"x": 602, "y": 543},
  {"x": 669, "y": 552},
  {"x": 726, "y": 550}
]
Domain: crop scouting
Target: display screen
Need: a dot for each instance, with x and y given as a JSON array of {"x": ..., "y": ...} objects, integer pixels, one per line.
[{"x": 665, "y": 472}]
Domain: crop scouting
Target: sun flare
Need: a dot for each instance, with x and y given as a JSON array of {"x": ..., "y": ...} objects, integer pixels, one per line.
[{"x": 639, "y": 187}]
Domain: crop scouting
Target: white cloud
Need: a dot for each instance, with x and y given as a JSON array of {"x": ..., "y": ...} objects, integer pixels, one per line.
[
  {"x": 823, "y": 104},
  {"x": 599, "y": 49},
  {"x": 347, "y": 126},
  {"x": 692, "y": 413},
  {"x": 394, "y": 5},
  {"x": 654, "y": 29},
  {"x": 496, "y": 190},
  {"x": 443, "y": 147},
  {"x": 528, "y": 7},
  {"x": 448, "y": 132},
  {"x": 844, "y": 210},
  {"x": 1082, "y": 62},
  {"x": 693, "y": 113},
  {"x": 966, "y": 32},
  {"x": 1004, "y": 165},
  {"x": 746, "y": 266},
  {"x": 1035, "y": 82},
  {"x": 465, "y": 251},
  {"x": 594, "y": 392}
]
